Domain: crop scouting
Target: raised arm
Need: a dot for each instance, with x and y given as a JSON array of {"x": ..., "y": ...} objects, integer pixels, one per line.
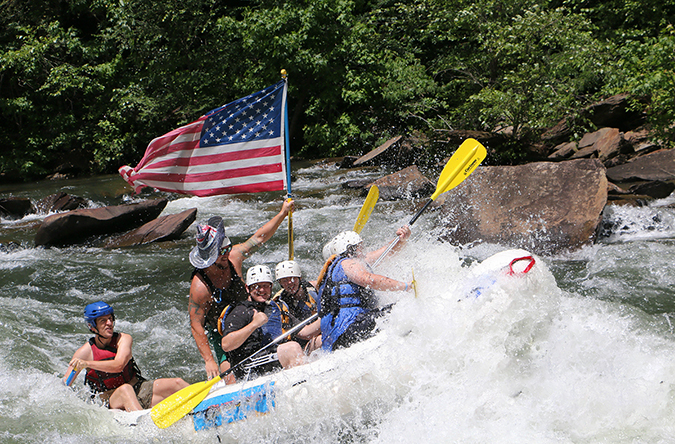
[
  {"x": 264, "y": 233},
  {"x": 403, "y": 234}
]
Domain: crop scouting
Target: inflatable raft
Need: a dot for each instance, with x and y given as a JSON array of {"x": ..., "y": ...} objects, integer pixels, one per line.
[{"x": 229, "y": 403}]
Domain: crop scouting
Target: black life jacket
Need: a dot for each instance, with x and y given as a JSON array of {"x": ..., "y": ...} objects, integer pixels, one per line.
[{"x": 221, "y": 297}]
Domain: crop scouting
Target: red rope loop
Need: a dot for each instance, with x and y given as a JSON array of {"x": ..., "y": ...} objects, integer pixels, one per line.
[{"x": 524, "y": 258}]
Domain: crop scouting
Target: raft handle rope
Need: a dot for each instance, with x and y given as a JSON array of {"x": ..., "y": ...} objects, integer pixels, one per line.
[{"x": 512, "y": 272}]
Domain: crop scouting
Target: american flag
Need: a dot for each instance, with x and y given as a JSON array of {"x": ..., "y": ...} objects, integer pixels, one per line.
[{"x": 237, "y": 148}]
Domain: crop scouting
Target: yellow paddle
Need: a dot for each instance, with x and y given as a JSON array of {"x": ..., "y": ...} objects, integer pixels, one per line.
[
  {"x": 414, "y": 283},
  {"x": 467, "y": 157},
  {"x": 184, "y": 401},
  {"x": 361, "y": 219},
  {"x": 367, "y": 208}
]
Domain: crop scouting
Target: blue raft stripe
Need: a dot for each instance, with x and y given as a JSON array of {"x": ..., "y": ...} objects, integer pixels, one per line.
[{"x": 233, "y": 407}]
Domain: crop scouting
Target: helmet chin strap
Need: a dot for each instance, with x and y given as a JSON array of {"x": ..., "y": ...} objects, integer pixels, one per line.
[{"x": 95, "y": 330}]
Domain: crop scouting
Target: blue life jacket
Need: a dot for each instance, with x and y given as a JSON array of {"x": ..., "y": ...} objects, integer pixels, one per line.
[
  {"x": 341, "y": 302},
  {"x": 272, "y": 328}
]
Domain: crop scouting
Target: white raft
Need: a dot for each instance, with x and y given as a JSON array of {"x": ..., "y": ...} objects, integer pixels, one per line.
[{"x": 229, "y": 403}]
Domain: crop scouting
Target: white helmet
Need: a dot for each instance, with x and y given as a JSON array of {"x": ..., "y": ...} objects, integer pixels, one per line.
[
  {"x": 344, "y": 240},
  {"x": 287, "y": 269},
  {"x": 259, "y": 273},
  {"x": 328, "y": 249}
]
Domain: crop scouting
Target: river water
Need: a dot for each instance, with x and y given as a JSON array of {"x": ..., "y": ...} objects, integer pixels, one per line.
[{"x": 583, "y": 351}]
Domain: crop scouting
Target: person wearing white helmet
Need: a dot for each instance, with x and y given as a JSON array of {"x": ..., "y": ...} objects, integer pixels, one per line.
[
  {"x": 252, "y": 324},
  {"x": 216, "y": 282},
  {"x": 298, "y": 299},
  {"x": 349, "y": 307}
]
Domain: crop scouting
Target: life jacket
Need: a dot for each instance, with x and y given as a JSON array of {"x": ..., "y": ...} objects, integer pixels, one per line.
[
  {"x": 341, "y": 302},
  {"x": 294, "y": 311},
  {"x": 268, "y": 332},
  {"x": 261, "y": 337},
  {"x": 221, "y": 297},
  {"x": 101, "y": 381}
]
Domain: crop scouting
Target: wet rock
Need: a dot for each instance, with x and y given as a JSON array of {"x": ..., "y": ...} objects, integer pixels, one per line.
[
  {"x": 16, "y": 207},
  {"x": 163, "y": 228},
  {"x": 543, "y": 207},
  {"x": 380, "y": 151},
  {"x": 78, "y": 225},
  {"x": 60, "y": 202},
  {"x": 405, "y": 184}
]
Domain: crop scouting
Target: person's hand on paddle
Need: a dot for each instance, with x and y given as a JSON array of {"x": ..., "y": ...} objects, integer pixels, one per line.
[
  {"x": 212, "y": 369},
  {"x": 78, "y": 364},
  {"x": 288, "y": 206},
  {"x": 403, "y": 233}
]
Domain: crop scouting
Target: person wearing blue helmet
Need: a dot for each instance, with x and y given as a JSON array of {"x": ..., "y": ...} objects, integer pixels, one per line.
[{"x": 112, "y": 372}]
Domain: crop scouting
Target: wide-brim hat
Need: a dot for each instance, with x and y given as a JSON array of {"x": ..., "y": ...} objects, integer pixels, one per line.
[{"x": 210, "y": 239}]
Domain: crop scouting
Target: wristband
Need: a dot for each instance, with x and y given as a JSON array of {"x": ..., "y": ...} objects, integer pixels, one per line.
[{"x": 406, "y": 287}]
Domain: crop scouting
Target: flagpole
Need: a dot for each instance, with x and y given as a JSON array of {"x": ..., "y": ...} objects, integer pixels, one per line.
[{"x": 284, "y": 76}]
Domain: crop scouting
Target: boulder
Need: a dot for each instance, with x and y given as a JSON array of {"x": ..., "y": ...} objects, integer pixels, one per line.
[
  {"x": 659, "y": 165},
  {"x": 60, "y": 202},
  {"x": 656, "y": 189},
  {"x": 16, "y": 207},
  {"x": 614, "y": 111},
  {"x": 543, "y": 207},
  {"x": 163, "y": 228},
  {"x": 405, "y": 184},
  {"x": 77, "y": 225},
  {"x": 603, "y": 144},
  {"x": 563, "y": 151}
]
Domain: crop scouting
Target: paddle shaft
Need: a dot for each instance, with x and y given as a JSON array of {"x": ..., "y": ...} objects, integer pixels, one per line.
[
  {"x": 395, "y": 241},
  {"x": 70, "y": 377}
]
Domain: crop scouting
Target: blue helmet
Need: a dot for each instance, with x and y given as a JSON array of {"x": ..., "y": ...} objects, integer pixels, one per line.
[{"x": 96, "y": 310}]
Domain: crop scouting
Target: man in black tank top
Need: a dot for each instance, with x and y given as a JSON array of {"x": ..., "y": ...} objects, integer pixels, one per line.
[{"x": 216, "y": 282}]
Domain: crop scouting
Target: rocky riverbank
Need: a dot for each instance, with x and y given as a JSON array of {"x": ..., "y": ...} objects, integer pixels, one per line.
[{"x": 550, "y": 204}]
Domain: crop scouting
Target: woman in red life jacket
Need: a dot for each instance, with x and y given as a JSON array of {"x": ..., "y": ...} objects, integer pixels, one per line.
[{"x": 111, "y": 370}]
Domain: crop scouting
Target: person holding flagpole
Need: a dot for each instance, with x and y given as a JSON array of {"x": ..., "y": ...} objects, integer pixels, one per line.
[{"x": 216, "y": 282}]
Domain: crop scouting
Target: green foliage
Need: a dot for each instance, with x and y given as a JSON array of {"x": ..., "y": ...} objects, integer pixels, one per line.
[
  {"x": 88, "y": 83},
  {"x": 543, "y": 65},
  {"x": 646, "y": 69}
]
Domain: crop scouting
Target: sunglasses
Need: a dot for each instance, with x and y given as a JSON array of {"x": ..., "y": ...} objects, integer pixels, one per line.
[{"x": 225, "y": 250}]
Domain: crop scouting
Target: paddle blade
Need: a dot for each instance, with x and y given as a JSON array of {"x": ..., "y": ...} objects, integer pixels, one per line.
[
  {"x": 367, "y": 208},
  {"x": 414, "y": 283},
  {"x": 180, "y": 403},
  {"x": 467, "y": 157}
]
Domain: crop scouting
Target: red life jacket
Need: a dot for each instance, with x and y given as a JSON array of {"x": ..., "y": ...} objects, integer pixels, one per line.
[{"x": 101, "y": 381}]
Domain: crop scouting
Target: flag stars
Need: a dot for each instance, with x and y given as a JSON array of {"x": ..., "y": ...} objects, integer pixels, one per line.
[{"x": 251, "y": 118}]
